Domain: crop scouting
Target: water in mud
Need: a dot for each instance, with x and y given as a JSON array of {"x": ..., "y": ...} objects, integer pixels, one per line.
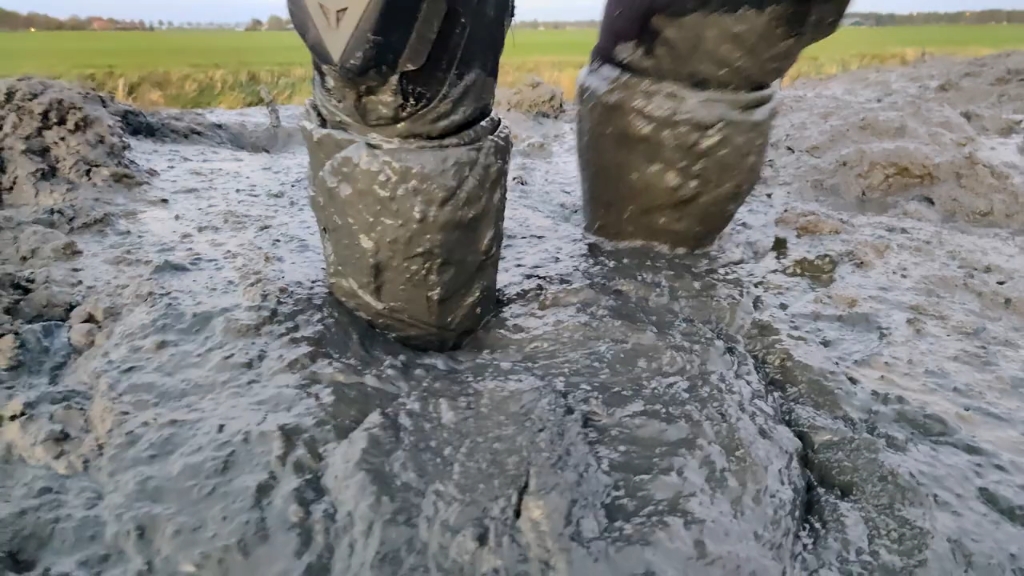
[{"x": 834, "y": 388}]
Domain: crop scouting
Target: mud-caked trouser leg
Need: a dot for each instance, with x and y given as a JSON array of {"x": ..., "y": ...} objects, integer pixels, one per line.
[
  {"x": 677, "y": 107},
  {"x": 408, "y": 164}
]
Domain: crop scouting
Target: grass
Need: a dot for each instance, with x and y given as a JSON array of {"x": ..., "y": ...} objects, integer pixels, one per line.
[{"x": 205, "y": 69}]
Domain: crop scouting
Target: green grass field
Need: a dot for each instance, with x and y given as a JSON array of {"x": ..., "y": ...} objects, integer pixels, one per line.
[{"x": 226, "y": 68}]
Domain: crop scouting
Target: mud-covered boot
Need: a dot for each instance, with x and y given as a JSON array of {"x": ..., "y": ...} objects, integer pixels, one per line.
[
  {"x": 408, "y": 164},
  {"x": 676, "y": 110}
]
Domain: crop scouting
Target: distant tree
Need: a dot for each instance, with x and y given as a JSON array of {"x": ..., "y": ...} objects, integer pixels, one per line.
[
  {"x": 276, "y": 24},
  {"x": 919, "y": 18},
  {"x": 76, "y": 23},
  {"x": 10, "y": 20}
]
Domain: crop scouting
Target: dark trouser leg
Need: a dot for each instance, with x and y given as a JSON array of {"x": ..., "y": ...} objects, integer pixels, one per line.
[
  {"x": 407, "y": 163},
  {"x": 677, "y": 107}
]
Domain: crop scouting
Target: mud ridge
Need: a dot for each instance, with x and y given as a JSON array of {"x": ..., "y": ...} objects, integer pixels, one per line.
[
  {"x": 57, "y": 137},
  {"x": 811, "y": 516}
]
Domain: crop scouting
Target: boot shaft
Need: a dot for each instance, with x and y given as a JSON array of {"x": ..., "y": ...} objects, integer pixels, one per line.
[
  {"x": 403, "y": 68},
  {"x": 677, "y": 107}
]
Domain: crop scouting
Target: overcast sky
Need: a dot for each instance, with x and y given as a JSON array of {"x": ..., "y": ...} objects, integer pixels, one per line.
[{"x": 240, "y": 10}]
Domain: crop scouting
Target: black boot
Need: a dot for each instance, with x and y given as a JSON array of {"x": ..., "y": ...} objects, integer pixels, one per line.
[
  {"x": 408, "y": 165},
  {"x": 676, "y": 110}
]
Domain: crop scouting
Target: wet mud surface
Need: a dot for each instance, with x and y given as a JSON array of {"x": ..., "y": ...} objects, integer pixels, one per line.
[{"x": 833, "y": 388}]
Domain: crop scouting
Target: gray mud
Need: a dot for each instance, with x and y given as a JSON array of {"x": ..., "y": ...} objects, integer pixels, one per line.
[
  {"x": 945, "y": 146},
  {"x": 833, "y": 388}
]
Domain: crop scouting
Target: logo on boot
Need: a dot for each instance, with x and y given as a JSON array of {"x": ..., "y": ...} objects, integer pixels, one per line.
[{"x": 336, "y": 21}]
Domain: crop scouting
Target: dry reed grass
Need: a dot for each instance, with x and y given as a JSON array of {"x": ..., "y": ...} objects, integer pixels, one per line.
[{"x": 290, "y": 85}]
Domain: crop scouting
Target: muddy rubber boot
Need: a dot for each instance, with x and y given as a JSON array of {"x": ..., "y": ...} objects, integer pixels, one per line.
[
  {"x": 676, "y": 110},
  {"x": 408, "y": 164}
]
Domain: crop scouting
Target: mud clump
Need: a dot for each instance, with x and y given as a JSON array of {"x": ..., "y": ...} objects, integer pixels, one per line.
[
  {"x": 83, "y": 336},
  {"x": 55, "y": 138},
  {"x": 30, "y": 290},
  {"x": 32, "y": 296},
  {"x": 820, "y": 268},
  {"x": 534, "y": 97},
  {"x": 807, "y": 223},
  {"x": 992, "y": 124},
  {"x": 8, "y": 352}
]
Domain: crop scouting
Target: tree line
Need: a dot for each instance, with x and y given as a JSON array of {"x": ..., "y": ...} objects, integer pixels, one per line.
[
  {"x": 852, "y": 18},
  {"x": 922, "y": 18},
  {"x": 554, "y": 25},
  {"x": 11, "y": 21},
  {"x": 273, "y": 24}
]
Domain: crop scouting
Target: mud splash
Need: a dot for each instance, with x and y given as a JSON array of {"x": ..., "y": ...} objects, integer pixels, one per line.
[{"x": 833, "y": 388}]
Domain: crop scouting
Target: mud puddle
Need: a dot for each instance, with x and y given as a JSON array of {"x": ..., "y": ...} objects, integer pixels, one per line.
[{"x": 832, "y": 389}]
